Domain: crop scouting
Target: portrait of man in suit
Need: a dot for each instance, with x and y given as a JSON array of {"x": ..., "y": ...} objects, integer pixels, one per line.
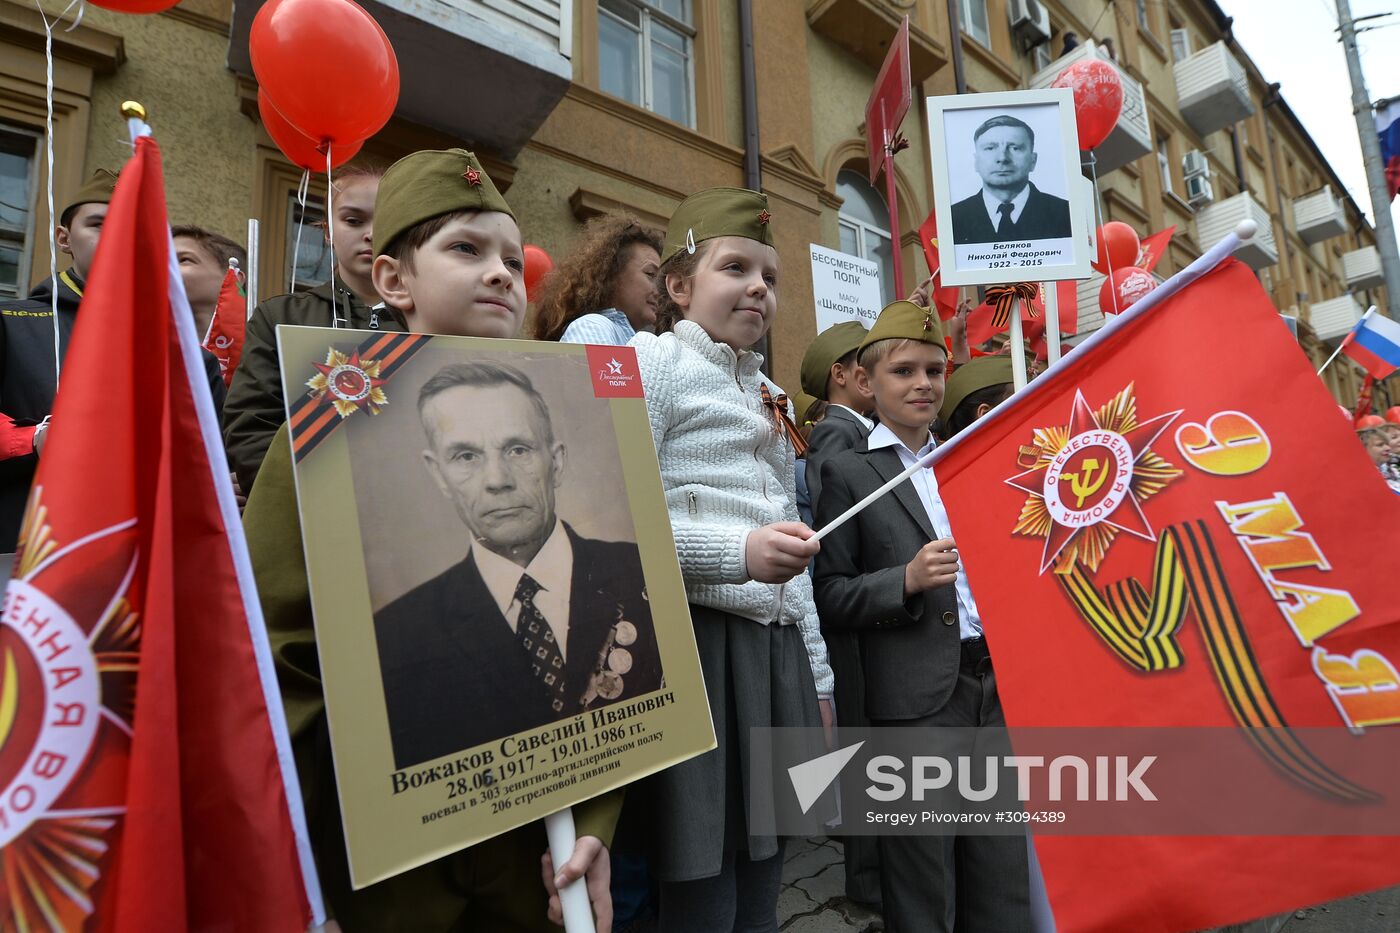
[
  {"x": 536, "y": 623},
  {"x": 1009, "y": 207}
]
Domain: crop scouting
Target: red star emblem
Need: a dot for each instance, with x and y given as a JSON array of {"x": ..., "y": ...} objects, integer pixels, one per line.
[
  {"x": 1090, "y": 479},
  {"x": 472, "y": 176},
  {"x": 350, "y": 382},
  {"x": 764, "y": 217}
]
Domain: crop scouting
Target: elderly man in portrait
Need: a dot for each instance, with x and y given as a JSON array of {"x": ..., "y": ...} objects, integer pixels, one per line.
[
  {"x": 536, "y": 623},
  {"x": 1009, "y": 207}
]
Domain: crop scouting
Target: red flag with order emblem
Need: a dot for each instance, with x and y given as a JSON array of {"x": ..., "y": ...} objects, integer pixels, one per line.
[
  {"x": 1153, "y": 545},
  {"x": 228, "y": 326},
  {"x": 146, "y": 780}
]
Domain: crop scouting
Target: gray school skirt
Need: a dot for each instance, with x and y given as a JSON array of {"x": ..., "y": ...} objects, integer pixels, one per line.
[{"x": 755, "y": 675}]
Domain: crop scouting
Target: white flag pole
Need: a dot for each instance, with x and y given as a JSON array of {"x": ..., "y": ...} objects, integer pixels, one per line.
[
  {"x": 573, "y": 898},
  {"x": 841, "y": 519},
  {"x": 1018, "y": 348},
  {"x": 1052, "y": 322},
  {"x": 1359, "y": 324},
  {"x": 250, "y": 280}
]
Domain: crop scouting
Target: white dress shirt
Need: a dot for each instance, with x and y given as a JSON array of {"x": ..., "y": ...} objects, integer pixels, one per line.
[
  {"x": 1018, "y": 204},
  {"x": 926, "y": 485},
  {"x": 552, "y": 569}
]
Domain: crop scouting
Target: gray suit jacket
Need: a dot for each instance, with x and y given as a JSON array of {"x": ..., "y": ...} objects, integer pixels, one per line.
[
  {"x": 839, "y": 430},
  {"x": 910, "y": 647}
]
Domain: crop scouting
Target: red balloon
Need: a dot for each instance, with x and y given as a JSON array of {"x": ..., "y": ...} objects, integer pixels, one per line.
[
  {"x": 1122, "y": 289},
  {"x": 1392, "y": 414},
  {"x": 1098, "y": 98},
  {"x": 299, "y": 148},
  {"x": 537, "y": 264},
  {"x": 1369, "y": 421},
  {"x": 1118, "y": 247},
  {"x": 326, "y": 66}
]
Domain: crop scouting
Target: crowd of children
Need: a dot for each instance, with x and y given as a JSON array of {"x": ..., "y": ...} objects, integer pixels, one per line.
[{"x": 876, "y": 625}]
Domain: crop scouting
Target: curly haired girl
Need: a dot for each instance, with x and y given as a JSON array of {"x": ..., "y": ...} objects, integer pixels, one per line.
[{"x": 605, "y": 291}]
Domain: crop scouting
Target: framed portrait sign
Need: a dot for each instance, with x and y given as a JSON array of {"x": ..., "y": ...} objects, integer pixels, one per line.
[
  {"x": 501, "y": 621},
  {"x": 1007, "y": 187}
]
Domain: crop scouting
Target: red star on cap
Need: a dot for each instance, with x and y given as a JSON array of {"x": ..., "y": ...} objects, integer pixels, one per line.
[
  {"x": 764, "y": 217},
  {"x": 472, "y": 176}
]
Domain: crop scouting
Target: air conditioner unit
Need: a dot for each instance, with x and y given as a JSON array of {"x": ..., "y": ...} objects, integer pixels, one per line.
[
  {"x": 1195, "y": 163},
  {"x": 1199, "y": 191},
  {"x": 1030, "y": 21}
]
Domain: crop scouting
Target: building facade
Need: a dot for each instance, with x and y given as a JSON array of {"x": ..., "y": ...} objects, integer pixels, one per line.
[{"x": 578, "y": 107}]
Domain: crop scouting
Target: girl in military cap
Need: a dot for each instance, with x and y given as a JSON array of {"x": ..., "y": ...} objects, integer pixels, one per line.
[{"x": 726, "y": 447}]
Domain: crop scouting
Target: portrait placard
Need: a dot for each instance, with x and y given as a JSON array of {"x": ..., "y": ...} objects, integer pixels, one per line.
[
  {"x": 1007, "y": 187},
  {"x": 502, "y": 626}
]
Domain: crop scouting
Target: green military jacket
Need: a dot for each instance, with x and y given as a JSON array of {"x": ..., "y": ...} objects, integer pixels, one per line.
[
  {"x": 495, "y": 885},
  {"x": 255, "y": 407}
]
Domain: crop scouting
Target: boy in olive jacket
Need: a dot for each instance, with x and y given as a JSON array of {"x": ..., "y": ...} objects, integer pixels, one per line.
[{"x": 429, "y": 204}]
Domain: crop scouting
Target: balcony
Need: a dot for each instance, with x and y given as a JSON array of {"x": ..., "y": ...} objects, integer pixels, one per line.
[
  {"x": 1319, "y": 216},
  {"x": 1362, "y": 268},
  {"x": 1215, "y": 220},
  {"x": 450, "y": 51},
  {"x": 1335, "y": 317},
  {"x": 1131, "y": 138},
  {"x": 1212, "y": 90},
  {"x": 864, "y": 28}
]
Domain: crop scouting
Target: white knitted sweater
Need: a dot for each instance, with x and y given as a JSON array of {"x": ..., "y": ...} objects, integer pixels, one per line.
[{"x": 726, "y": 471}]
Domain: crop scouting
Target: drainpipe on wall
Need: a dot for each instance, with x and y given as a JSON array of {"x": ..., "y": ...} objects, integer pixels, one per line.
[
  {"x": 753, "y": 167},
  {"x": 955, "y": 41}
]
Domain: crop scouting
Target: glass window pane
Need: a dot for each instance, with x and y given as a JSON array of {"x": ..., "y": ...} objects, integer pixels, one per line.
[
  {"x": 624, "y": 10},
  {"x": 677, "y": 9},
  {"x": 667, "y": 36},
  {"x": 306, "y": 242},
  {"x": 861, "y": 201},
  {"x": 879, "y": 249},
  {"x": 14, "y": 187},
  {"x": 619, "y": 59},
  {"x": 850, "y": 239},
  {"x": 974, "y": 20},
  {"x": 9, "y": 271},
  {"x": 670, "y": 90}
]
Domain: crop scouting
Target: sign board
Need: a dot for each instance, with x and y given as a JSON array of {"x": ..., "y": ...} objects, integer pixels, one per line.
[
  {"x": 889, "y": 100},
  {"x": 845, "y": 288},
  {"x": 501, "y": 622}
]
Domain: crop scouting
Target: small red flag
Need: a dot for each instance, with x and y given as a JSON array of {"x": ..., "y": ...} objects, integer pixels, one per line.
[
  {"x": 1153, "y": 248},
  {"x": 142, "y": 727},
  {"x": 1363, "y": 397},
  {"x": 227, "y": 327},
  {"x": 944, "y": 298},
  {"x": 1151, "y": 547}
]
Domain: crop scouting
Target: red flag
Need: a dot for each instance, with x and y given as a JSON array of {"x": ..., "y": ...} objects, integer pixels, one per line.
[
  {"x": 227, "y": 327},
  {"x": 1363, "y": 397},
  {"x": 1153, "y": 248},
  {"x": 1153, "y": 546},
  {"x": 980, "y": 328},
  {"x": 147, "y": 776},
  {"x": 944, "y": 298}
]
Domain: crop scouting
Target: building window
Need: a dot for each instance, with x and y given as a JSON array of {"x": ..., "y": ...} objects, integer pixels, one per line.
[
  {"x": 644, "y": 55},
  {"x": 1181, "y": 45},
  {"x": 306, "y": 244},
  {"x": 865, "y": 227},
  {"x": 1142, "y": 15},
  {"x": 1164, "y": 163},
  {"x": 1040, "y": 56},
  {"x": 974, "y": 20},
  {"x": 18, "y": 179}
]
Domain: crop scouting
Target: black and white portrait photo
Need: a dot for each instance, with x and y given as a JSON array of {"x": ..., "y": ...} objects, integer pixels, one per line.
[
  {"x": 1008, "y": 181},
  {"x": 507, "y": 586}
]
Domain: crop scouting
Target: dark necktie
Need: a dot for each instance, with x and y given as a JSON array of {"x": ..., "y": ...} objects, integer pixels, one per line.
[
  {"x": 537, "y": 640},
  {"x": 1004, "y": 224}
]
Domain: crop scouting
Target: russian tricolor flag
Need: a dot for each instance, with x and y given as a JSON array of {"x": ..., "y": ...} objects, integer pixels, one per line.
[
  {"x": 1374, "y": 344},
  {"x": 1388, "y": 129}
]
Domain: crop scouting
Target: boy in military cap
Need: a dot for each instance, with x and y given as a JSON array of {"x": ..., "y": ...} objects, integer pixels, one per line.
[
  {"x": 255, "y": 407},
  {"x": 829, "y": 372},
  {"x": 892, "y": 574},
  {"x": 975, "y": 388},
  {"x": 430, "y": 204},
  {"x": 28, "y": 377}
]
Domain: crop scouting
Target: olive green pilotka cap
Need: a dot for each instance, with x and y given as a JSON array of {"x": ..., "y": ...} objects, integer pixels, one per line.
[
  {"x": 801, "y": 404},
  {"x": 904, "y": 320},
  {"x": 716, "y": 212},
  {"x": 429, "y": 183},
  {"x": 971, "y": 376},
  {"x": 831, "y": 344},
  {"x": 96, "y": 190}
]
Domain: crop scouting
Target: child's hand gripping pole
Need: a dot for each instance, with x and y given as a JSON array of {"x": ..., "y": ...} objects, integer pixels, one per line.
[
  {"x": 841, "y": 519},
  {"x": 573, "y": 897}
]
